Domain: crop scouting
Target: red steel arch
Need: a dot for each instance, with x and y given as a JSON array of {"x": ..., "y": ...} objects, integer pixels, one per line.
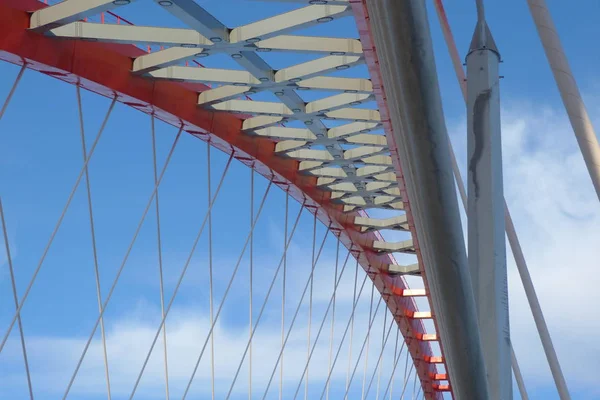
[{"x": 106, "y": 70}]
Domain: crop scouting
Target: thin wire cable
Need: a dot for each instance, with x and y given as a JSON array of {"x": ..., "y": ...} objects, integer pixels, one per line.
[
  {"x": 122, "y": 266},
  {"x": 405, "y": 369},
  {"x": 310, "y": 301},
  {"x": 283, "y": 258},
  {"x": 289, "y": 332},
  {"x": 265, "y": 303},
  {"x": 518, "y": 376},
  {"x": 12, "y": 90},
  {"x": 351, "y": 332},
  {"x": 384, "y": 339},
  {"x": 210, "y": 271},
  {"x": 57, "y": 226},
  {"x": 337, "y": 257},
  {"x": 250, "y": 330},
  {"x": 364, "y": 344},
  {"x": 368, "y": 343},
  {"x": 160, "y": 265},
  {"x": 414, "y": 385},
  {"x": 390, "y": 385},
  {"x": 93, "y": 236},
  {"x": 321, "y": 325},
  {"x": 344, "y": 335},
  {"x": 233, "y": 275},
  {"x": 16, "y": 297},
  {"x": 285, "y": 229},
  {"x": 406, "y": 378},
  {"x": 182, "y": 275},
  {"x": 381, "y": 365},
  {"x": 418, "y": 392},
  {"x": 395, "y": 357}
]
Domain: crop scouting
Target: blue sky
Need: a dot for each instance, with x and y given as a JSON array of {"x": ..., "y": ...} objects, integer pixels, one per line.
[{"x": 553, "y": 204}]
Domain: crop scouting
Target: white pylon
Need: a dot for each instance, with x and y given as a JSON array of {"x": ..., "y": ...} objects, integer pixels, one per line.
[{"x": 487, "y": 248}]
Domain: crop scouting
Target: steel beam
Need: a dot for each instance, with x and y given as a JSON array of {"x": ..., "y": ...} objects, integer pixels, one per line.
[
  {"x": 575, "y": 107},
  {"x": 282, "y": 23},
  {"x": 114, "y": 33},
  {"x": 197, "y": 18},
  {"x": 70, "y": 11},
  {"x": 405, "y": 52}
]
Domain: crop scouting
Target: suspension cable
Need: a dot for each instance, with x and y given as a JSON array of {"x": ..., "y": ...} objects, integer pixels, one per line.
[
  {"x": 351, "y": 331},
  {"x": 337, "y": 257},
  {"x": 362, "y": 393},
  {"x": 310, "y": 297},
  {"x": 415, "y": 384},
  {"x": 283, "y": 258},
  {"x": 93, "y": 237},
  {"x": 285, "y": 233},
  {"x": 390, "y": 385},
  {"x": 58, "y": 224},
  {"x": 364, "y": 344},
  {"x": 182, "y": 275},
  {"x": 518, "y": 376},
  {"x": 13, "y": 89},
  {"x": 265, "y": 303},
  {"x": 229, "y": 287},
  {"x": 123, "y": 263},
  {"x": 288, "y": 335},
  {"x": 418, "y": 392},
  {"x": 210, "y": 270},
  {"x": 251, "y": 272},
  {"x": 406, "y": 378},
  {"x": 16, "y": 297},
  {"x": 322, "y": 325},
  {"x": 160, "y": 264},
  {"x": 384, "y": 339}
]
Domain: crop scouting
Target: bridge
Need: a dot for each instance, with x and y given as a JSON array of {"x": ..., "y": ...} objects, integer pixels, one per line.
[{"x": 308, "y": 239}]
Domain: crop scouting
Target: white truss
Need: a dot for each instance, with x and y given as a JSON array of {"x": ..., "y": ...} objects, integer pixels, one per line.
[{"x": 350, "y": 158}]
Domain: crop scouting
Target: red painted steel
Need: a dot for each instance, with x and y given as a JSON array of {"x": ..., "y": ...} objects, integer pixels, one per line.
[{"x": 106, "y": 70}]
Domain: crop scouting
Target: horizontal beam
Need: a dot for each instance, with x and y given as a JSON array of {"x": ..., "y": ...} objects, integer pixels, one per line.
[
  {"x": 348, "y": 85},
  {"x": 409, "y": 292},
  {"x": 412, "y": 269},
  {"x": 221, "y": 93},
  {"x": 398, "y": 223},
  {"x": 312, "y": 44},
  {"x": 261, "y": 121},
  {"x": 285, "y": 133},
  {"x": 354, "y": 114},
  {"x": 312, "y": 68},
  {"x": 282, "y": 23},
  {"x": 205, "y": 75},
  {"x": 68, "y": 11},
  {"x": 335, "y": 102},
  {"x": 132, "y": 34},
  {"x": 405, "y": 246},
  {"x": 252, "y": 107},
  {"x": 164, "y": 58}
]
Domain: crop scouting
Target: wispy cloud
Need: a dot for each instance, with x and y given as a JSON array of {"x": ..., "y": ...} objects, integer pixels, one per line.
[{"x": 557, "y": 217}]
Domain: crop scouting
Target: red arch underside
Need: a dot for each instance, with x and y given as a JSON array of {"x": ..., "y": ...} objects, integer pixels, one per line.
[{"x": 105, "y": 69}]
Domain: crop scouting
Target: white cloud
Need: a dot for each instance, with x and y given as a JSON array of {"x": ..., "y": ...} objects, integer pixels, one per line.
[
  {"x": 52, "y": 359},
  {"x": 556, "y": 213}
]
